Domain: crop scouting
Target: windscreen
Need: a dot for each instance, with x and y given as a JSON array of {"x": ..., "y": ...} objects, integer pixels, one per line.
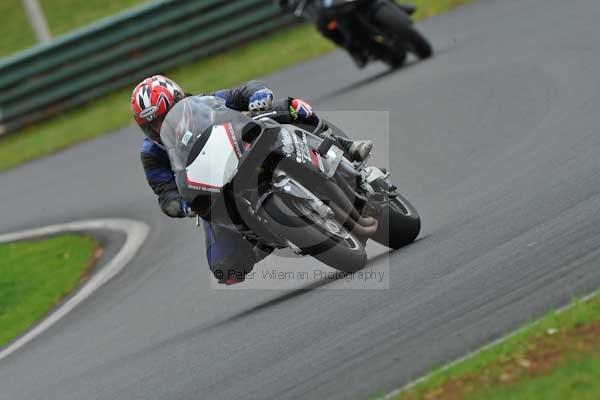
[{"x": 186, "y": 122}]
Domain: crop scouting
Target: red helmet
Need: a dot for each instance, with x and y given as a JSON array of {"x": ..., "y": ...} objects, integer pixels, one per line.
[{"x": 151, "y": 100}]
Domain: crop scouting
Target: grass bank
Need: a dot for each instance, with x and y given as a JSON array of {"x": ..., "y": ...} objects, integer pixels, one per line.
[
  {"x": 35, "y": 276},
  {"x": 557, "y": 357},
  {"x": 260, "y": 57},
  {"x": 62, "y": 16}
]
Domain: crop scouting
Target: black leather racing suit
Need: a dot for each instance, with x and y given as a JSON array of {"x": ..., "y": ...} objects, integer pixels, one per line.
[{"x": 228, "y": 253}]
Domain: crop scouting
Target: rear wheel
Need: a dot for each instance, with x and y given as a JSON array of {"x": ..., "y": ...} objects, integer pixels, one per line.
[
  {"x": 399, "y": 224},
  {"x": 323, "y": 237}
]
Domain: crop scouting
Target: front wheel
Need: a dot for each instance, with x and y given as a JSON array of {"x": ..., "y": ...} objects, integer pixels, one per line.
[
  {"x": 396, "y": 58},
  {"x": 399, "y": 224},
  {"x": 322, "y": 237},
  {"x": 397, "y": 24}
]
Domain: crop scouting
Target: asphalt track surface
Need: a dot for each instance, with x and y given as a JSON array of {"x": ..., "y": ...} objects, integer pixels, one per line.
[{"x": 495, "y": 140}]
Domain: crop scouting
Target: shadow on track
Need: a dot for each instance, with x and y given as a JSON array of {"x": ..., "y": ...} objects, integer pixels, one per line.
[
  {"x": 439, "y": 51},
  {"x": 365, "y": 82},
  {"x": 237, "y": 317},
  {"x": 300, "y": 291}
]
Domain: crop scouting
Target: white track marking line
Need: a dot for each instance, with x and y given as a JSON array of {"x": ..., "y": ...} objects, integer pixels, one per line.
[
  {"x": 472, "y": 354},
  {"x": 135, "y": 231}
]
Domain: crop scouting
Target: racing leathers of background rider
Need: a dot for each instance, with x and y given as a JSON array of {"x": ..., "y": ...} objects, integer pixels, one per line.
[
  {"x": 327, "y": 28},
  {"x": 230, "y": 256}
]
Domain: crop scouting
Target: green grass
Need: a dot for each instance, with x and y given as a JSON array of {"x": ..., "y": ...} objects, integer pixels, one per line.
[
  {"x": 429, "y": 8},
  {"x": 34, "y": 276},
  {"x": 578, "y": 379},
  {"x": 62, "y": 16},
  {"x": 15, "y": 33},
  {"x": 66, "y": 15},
  {"x": 111, "y": 112},
  {"x": 565, "y": 365}
]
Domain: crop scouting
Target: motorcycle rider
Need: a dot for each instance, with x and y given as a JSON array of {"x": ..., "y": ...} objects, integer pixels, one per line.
[
  {"x": 330, "y": 29},
  {"x": 311, "y": 12},
  {"x": 230, "y": 256}
]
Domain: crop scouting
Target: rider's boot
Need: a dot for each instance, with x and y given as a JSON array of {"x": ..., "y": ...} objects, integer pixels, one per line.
[{"x": 355, "y": 150}]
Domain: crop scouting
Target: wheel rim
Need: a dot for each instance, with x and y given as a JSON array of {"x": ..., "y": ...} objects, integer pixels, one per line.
[{"x": 331, "y": 225}]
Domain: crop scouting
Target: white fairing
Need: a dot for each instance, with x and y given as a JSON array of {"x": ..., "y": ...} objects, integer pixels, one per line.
[{"x": 216, "y": 164}]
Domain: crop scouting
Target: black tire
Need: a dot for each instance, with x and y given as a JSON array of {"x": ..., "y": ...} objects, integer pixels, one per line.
[
  {"x": 288, "y": 218},
  {"x": 397, "y": 24},
  {"x": 397, "y": 59},
  {"x": 399, "y": 224}
]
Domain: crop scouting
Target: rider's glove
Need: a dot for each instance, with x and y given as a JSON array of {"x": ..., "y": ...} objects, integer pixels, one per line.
[
  {"x": 261, "y": 100},
  {"x": 187, "y": 210},
  {"x": 300, "y": 109}
]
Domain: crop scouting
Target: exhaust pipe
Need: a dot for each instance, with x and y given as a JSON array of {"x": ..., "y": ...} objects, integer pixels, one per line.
[
  {"x": 367, "y": 230},
  {"x": 348, "y": 214}
]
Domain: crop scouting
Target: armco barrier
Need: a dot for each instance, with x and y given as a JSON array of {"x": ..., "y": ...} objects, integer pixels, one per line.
[{"x": 82, "y": 66}]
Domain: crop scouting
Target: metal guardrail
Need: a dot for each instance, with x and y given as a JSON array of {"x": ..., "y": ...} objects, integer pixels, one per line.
[{"x": 77, "y": 68}]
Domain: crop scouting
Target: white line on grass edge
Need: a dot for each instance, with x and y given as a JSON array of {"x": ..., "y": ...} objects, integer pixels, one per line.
[
  {"x": 135, "y": 233},
  {"x": 482, "y": 349}
]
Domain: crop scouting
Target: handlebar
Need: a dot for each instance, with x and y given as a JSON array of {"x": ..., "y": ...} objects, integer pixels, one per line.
[{"x": 286, "y": 118}]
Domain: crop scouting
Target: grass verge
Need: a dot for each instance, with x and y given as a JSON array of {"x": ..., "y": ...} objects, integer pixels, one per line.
[
  {"x": 62, "y": 16},
  {"x": 35, "y": 276},
  {"x": 260, "y": 57},
  {"x": 557, "y": 357},
  {"x": 65, "y": 15},
  {"x": 15, "y": 33}
]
